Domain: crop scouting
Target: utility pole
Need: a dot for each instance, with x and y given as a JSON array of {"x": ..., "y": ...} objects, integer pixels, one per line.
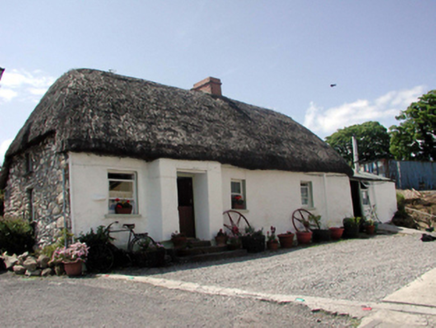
[{"x": 355, "y": 154}]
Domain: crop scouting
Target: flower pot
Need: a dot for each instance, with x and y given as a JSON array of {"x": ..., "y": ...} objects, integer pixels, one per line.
[
  {"x": 351, "y": 231},
  {"x": 321, "y": 235},
  {"x": 123, "y": 210},
  {"x": 253, "y": 244},
  {"x": 179, "y": 241},
  {"x": 304, "y": 237},
  {"x": 238, "y": 206},
  {"x": 336, "y": 233},
  {"x": 286, "y": 240},
  {"x": 221, "y": 240},
  {"x": 73, "y": 269},
  {"x": 370, "y": 229},
  {"x": 272, "y": 245}
]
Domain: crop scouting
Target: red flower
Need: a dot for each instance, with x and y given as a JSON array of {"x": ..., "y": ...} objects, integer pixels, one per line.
[
  {"x": 117, "y": 199},
  {"x": 119, "y": 206}
]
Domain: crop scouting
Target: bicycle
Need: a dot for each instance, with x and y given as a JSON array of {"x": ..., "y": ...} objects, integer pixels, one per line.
[{"x": 142, "y": 249}]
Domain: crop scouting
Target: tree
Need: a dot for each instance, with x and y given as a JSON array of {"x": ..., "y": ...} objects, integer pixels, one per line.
[
  {"x": 415, "y": 137},
  {"x": 372, "y": 141}
]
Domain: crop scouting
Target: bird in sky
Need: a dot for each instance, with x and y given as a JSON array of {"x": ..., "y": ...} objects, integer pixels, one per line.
[{"x": 332, "y": 85}]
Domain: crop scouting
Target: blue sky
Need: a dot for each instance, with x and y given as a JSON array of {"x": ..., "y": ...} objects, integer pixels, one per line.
[{"x": 280, "y": 54}]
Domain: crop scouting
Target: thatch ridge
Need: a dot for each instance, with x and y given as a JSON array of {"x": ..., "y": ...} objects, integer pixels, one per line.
[{"x": 108, "y": 114}]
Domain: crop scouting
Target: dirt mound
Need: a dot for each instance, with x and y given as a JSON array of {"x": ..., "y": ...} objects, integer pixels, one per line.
[{"x": 421, "y": 207}]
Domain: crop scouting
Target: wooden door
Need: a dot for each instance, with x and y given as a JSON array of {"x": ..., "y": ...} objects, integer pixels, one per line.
[{"x": 186, "y": 206}]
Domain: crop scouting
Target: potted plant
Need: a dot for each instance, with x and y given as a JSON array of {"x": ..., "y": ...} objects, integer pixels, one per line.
[
  {"x": 336, "y": 232},
  {"x": 272, "y": 242},
  {"x": 304, "y": 236},
  {"x": 253, "y": 240},
  {"x": 286, "y": 239},
  {"x": 351, "y": 227},
  {"x": 234, "y": 241},
  {"x": 370, "y": 226},
  {"x": 319, "y": 234},
  {"x": 221, "y": 238},
  {"x": 238, "y": 202},
  {"x": 179, "y": 239},
  {"x": 150, "y": 254},
  {"x": 123, "y": 207},
  {"x": 72, "y": 257}
]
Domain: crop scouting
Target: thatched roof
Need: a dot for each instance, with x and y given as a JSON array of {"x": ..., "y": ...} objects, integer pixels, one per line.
[{"x": 108, "y": 114}]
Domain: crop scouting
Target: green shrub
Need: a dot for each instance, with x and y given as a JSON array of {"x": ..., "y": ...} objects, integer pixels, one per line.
[
  {"x": 401, "y": 203},
  {"x": 16, "y": 236}
]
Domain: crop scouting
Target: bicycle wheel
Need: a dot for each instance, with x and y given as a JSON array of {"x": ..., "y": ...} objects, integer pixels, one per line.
[
  {"x": 100, "y": 258},
  {"x": 140, "y": 243}
]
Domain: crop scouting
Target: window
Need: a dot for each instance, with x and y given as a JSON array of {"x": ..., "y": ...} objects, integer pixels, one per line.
[
  {"x": 30, "y": 199},
  {"x": 306, "y": 194},
  {"x": 29, "y": 163},
  {"x": 239, "y": 200},
  {"x": 122, "y": 189}
]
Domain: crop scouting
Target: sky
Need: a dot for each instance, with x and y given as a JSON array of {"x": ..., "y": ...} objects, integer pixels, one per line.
[{"x": 282, "y": 55}]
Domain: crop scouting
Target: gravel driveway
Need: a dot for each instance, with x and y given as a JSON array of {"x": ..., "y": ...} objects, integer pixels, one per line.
[{"x": 359, "y": 269}]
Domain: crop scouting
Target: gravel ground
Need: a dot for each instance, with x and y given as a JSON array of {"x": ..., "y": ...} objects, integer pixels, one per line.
[{"x": 358, "y": 269}]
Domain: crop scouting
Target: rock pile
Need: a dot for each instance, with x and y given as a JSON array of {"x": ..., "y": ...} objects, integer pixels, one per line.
[{"x": 28, "y": 265}]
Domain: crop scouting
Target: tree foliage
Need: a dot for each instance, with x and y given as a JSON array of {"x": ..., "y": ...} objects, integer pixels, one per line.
[
  {"x": 415, "y": 137},
  {"x": 372, "y": 141}
]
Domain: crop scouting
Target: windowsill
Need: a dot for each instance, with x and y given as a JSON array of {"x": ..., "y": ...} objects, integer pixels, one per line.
[
  {"x": 122, "y": 216},
  {"x": 243, "y": 210},
  {"x": 309, "y": 208}
]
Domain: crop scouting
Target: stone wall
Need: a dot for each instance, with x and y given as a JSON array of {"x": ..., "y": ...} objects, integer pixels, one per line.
[{"x": 35, "y": 191}]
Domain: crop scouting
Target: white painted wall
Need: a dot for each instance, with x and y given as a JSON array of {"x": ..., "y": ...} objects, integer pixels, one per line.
[
  {"x": 383, "y": 195},
  {"x": 272, "y": 196}
]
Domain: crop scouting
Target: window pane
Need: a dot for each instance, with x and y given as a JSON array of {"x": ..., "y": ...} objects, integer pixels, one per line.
[
  {"x": 120, "y": 176},
  {"x": 236, "y": 187},
  {"x": 120, "y": 189}
]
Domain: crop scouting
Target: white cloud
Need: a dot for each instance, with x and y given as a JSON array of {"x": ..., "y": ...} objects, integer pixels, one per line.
[
  {"x": 24, "y": 85},
  {"x": 383, "y": 109},
  {"x": 3, "y": 148},
  {"x": 7, "y": 94}
]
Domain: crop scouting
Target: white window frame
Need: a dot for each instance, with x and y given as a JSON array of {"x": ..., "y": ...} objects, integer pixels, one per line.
[
  {"x": 306, "y": 197},
  {"x": 241, "y": 193},
  {"x": 133, "y": 200}
]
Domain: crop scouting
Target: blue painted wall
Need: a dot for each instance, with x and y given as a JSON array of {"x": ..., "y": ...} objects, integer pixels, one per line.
[
  {"x": 412, "y": 174},
  {"x": 406, "y": 174}
]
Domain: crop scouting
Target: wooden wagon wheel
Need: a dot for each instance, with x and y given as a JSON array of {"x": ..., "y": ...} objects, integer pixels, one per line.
[
  {"x": 236, "y": 220},
  {"x": 300, "y": 220}
]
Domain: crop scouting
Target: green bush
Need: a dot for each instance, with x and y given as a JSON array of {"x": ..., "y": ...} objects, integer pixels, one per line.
[
  {"x": 16, "y": 236},
  {"x": 401, "y": 203}
]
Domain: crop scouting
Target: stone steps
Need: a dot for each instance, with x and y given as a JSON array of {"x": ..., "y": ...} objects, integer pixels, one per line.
[{"x": 202, "y": 250}]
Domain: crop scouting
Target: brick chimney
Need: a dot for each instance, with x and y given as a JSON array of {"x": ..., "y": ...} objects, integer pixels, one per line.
[{"x": 210, "y": 85}]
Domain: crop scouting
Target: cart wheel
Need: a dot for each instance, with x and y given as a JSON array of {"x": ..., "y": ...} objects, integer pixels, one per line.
[
  {"x": 236, "y": 219},
  {"x": 300, "y": 220}
]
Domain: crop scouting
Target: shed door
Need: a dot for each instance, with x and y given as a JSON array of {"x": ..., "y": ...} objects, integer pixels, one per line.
[{"x": 186, "y": 206}]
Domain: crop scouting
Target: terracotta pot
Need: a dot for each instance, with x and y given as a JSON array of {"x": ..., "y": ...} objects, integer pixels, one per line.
[
  {"x": 286, "y": 240},
  {"x": 272, "y": 245},
  {"x": 123, "y": 210},
  {"x": 73, "y": 269},
  {"x": 370, "y": 229},
  {"x": 336, "y": 233},
  {"x": 304, "y": 237},
  {"x": 221, "y": 240}
]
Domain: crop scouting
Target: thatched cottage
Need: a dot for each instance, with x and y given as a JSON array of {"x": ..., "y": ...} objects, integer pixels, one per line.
[{"x": 180, "y": 157}]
